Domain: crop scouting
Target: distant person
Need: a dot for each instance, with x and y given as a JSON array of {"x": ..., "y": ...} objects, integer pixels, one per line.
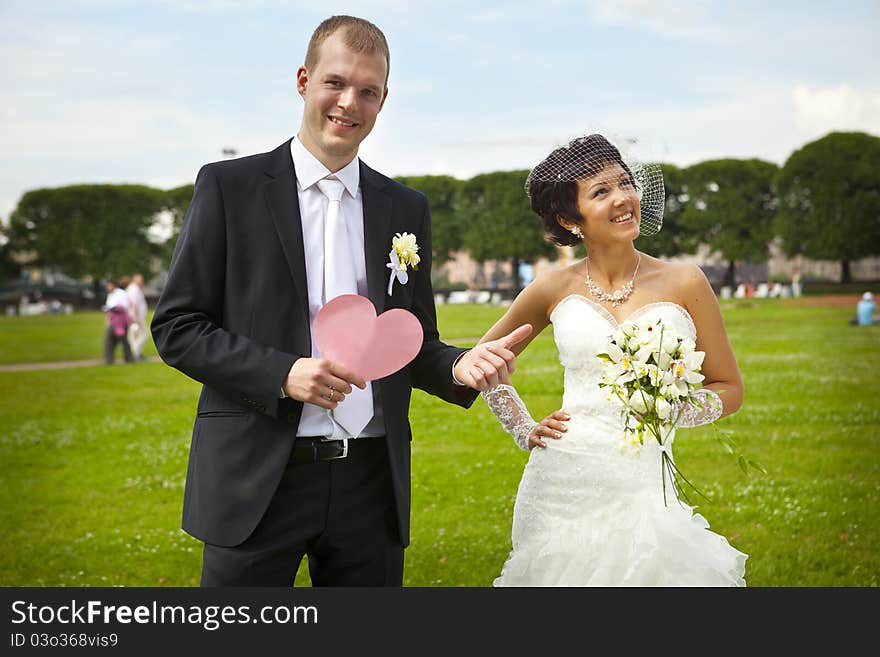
[
  {"x": 796, "y": 284},
  {"x": 118, "y": 319},
  {"x": 865, "y": 310},
  {"x": 137, "y": 310},
  {"x": 123, "y": 284}
]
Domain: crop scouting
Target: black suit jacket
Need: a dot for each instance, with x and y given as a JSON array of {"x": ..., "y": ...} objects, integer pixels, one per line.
[{"x": 234, "y": 316}]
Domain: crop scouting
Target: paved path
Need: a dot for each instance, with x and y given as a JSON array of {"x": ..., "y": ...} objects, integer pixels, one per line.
[{"x": 91, "y": 362}]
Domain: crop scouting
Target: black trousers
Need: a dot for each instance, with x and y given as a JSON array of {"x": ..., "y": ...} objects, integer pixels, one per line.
[
  {"x": 110, "y": 342},
  {"x": 339, "y": 513}
]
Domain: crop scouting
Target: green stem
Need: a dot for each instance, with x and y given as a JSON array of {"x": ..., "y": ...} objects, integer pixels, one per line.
[{"x": 676, "y": 476}]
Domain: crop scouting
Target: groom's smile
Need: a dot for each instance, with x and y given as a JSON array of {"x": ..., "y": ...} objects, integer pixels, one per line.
[
  {"x": 342, "y": 122},
  {"x": 343, "y": 92}
]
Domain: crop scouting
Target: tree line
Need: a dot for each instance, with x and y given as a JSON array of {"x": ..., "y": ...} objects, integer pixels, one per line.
[{"x": 823, "y": 203}]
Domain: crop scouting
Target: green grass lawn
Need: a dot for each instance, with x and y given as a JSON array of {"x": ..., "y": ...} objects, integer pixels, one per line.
[
  {"x": 50, "y": 338},
  {"x": 92, "y": 460}
]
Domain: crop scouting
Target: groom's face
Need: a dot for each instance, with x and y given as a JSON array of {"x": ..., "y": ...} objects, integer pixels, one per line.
[{"x": 343, "y": 93}]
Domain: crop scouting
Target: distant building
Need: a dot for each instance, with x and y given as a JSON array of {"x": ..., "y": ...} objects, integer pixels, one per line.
[{"x": 464, "y": 272}]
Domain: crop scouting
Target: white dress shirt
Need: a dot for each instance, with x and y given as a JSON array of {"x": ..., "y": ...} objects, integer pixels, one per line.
[{"x": 316, "y": 421}]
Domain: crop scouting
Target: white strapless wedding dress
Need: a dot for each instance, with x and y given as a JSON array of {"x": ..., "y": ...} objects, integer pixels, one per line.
[{"x": 589, "y": 514}]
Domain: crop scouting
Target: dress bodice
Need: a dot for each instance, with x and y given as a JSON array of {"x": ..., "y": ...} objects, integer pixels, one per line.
[{"x": 581, "y": 329}]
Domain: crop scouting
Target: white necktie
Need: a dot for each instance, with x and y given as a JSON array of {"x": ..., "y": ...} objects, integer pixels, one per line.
[{"x": 356, "y": 410}]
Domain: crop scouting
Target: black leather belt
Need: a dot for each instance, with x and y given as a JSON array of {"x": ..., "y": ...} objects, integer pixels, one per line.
[{"x": 308, "y": 449}]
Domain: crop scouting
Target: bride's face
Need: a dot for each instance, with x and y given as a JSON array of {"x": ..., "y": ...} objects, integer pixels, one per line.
[{"x": 609, "y": 204}]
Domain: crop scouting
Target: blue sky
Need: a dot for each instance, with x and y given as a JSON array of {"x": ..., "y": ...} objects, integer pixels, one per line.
[{"x": 147, "y": 92}]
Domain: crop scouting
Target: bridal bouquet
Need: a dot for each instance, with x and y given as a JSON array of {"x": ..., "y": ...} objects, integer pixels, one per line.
[{"x": 654, "y": 372}]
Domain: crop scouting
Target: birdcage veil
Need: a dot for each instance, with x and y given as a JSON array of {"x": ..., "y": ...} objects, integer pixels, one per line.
[{"x": 586, "y": 156}]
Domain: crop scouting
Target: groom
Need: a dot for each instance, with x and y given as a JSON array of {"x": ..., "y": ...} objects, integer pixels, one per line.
[{"x": 292, "y": 454}]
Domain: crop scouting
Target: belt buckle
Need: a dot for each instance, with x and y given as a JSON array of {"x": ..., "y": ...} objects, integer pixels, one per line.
[{"x": 344, "y": 451}]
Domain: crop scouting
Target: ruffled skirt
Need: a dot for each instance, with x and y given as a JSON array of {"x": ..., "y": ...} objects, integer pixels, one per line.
[{"x": 596, "y": 517}]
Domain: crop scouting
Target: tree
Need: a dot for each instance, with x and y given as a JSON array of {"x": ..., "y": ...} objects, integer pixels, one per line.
[
  {"x": 499, "y": 224},
  {"x": 9, "y": 269},
  {"x": 829, "y": 194},
  {"x": 177, "y": 202},
  {"x": 447, "y": 226},
  {"x": 731, "y": 206},
  {"x": 87, "y": 230}
]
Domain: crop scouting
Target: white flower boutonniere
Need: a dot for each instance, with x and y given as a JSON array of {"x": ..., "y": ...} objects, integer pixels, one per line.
[{"x": 403, "y": 254}]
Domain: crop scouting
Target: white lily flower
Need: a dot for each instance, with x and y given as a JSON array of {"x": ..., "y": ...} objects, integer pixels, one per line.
[
  {"x": 615, "y": 352},
  {"x": 694, "y": 360},
  {"x": 687, "y": 346},
  {"x": 664, "y": 361},
  {"x": 688, "y": 368},
  {"x": 663, "y": 408},
  {"x": 630, "y": 329},
  {"x": 638, "y": 401}
]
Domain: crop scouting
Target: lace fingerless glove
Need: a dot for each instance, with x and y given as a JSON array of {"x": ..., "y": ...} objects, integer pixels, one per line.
[
  {"x": 707, "y": 409},
  {"x": 511, "y": 412}
]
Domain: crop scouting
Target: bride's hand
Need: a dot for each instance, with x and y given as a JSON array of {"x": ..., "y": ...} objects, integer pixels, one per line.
[{"x": 550, "y": 427}]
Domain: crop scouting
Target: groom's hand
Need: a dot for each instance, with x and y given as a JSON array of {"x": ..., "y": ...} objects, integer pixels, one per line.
[
  {"x": 320, "y": 382},
  {"x": 490, "y": 363}
]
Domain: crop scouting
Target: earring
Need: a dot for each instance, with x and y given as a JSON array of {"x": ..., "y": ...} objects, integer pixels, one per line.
[{"x": 576, "y": 231}]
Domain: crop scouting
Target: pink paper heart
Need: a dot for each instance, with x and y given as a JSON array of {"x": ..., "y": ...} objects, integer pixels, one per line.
[{"x": 347, "y": 331}]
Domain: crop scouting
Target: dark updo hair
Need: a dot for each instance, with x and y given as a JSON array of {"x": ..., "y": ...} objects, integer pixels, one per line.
[{"x": 552, "y": 184}]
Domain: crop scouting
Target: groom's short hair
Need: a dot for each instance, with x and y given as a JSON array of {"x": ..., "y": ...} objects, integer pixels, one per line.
[{"x": 359, "y": 35}]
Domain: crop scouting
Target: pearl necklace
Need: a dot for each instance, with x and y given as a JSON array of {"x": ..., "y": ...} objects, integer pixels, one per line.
[{"x": 618, "y": 296}]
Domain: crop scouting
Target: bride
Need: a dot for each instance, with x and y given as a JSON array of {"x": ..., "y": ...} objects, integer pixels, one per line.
[{"x": 588, "y": 513}]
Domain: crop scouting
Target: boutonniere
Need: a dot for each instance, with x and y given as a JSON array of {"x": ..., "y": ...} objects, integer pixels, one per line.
[{"x": 403, "y": 254}]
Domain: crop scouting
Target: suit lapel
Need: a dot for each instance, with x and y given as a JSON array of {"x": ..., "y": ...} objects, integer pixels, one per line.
[
  {"x": 377, "y": 235},
  {"x": 283, "y": 202}
]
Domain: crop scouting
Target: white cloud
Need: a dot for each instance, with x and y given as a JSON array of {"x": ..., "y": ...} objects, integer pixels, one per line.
[
  {"x": 835, "y": 108},
  {"x": 759, "y": 121},
  {"x": 667, "y": 18},
  {"x": 104, "y": 93},
  {"x": 120, "y": 140}
]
